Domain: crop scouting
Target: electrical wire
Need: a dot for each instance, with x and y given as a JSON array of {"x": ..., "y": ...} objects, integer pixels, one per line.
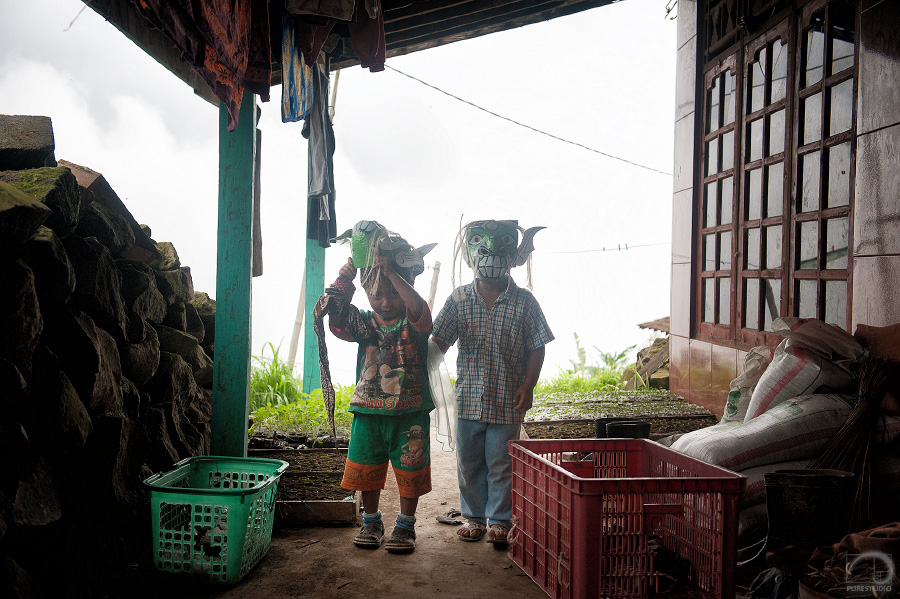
[
  {"x": 500, "y": 116},
  {"x": 618, "y": 248}
]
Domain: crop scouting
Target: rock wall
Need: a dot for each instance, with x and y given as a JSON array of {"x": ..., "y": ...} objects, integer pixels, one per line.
[{"x": 105, "y": 370}]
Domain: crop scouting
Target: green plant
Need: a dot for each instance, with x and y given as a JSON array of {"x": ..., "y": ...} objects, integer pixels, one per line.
[
  {"x": 585, "y": 377},
  {"x": 272, "y": 381},
  {"x": 304, "y": 416},
  {"x": 609, "y": 361},
  {"x": 278, "y": 403},
  {"x": 640, "y": 382}
]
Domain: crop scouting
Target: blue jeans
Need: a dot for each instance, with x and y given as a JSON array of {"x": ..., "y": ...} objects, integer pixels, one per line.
[{"x": 484, "y": 469}]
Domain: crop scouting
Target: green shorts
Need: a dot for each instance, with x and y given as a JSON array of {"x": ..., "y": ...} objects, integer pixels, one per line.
[{"x": 404, "y": 441}]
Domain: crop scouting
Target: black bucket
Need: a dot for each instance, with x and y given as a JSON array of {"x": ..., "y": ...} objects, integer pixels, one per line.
[
  {"x": 807, "y": 508},
  {"x": 628, "y": 429},
  {"x": 600, "y": 424}
]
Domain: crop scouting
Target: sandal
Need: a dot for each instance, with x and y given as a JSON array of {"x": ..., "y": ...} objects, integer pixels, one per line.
[
  {"x": 471, "y": 532},
  {"x": 449, "y": 517},
  {"x": 497, "y": 535}
]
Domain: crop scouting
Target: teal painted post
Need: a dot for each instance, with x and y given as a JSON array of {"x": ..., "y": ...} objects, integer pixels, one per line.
[
  {"x": 231, "y": 381},
  {"x": 315, "y": 287}
]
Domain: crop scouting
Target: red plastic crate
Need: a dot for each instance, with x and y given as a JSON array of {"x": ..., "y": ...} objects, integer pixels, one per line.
[{"x": 581, "y": 526}]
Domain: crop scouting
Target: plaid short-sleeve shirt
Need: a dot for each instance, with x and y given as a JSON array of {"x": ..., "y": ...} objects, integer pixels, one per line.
[{"x": 492, "y": 348}]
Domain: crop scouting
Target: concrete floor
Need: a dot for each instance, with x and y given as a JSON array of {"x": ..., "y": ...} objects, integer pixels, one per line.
[{"x": 323, "y": 562}]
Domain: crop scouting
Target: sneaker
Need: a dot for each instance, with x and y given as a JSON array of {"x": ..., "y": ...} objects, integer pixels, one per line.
[
  {"x": 402, "y": 540},
  {"x": 370, "y": 535}
]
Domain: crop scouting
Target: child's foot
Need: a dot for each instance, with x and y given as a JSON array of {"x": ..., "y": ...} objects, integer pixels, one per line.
[
  {"x": 498, "y": 535},
  {"x": 472, "y": 531},
  {"x": 402, "y": 540},
  {"x": 371, "y": 535}
]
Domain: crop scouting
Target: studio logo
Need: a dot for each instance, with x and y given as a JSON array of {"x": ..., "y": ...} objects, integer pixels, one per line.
[{"x": 870, "y": 574}]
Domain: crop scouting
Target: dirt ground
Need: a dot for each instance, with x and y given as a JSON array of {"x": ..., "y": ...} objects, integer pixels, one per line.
[{"x": 323, "y": 563}]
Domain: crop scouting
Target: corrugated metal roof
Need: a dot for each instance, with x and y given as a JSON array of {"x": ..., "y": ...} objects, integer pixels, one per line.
[{"x": 410, "y": 26}]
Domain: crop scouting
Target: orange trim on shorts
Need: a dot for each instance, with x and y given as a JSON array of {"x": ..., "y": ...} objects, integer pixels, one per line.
[
  {"x": 413, "y": 484},
  {"x": 364, "y": 477}
]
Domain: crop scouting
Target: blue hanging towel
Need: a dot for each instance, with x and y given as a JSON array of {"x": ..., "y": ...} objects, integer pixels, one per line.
[{"x": 297, "y": 77}]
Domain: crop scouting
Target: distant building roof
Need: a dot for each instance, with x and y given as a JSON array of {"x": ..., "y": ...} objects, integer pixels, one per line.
[{"x": 660, "y": 324}]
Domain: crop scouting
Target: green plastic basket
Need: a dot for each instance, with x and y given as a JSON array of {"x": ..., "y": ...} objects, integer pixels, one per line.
[{"x": 212, "y": 516}]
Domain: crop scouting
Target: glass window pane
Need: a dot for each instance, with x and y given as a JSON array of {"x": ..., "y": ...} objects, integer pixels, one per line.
[
  {"x": 751, "y": 251},
  {"x": 775, "y": 190},
  {"x": 808, "y": 291},
  {"x": 776, "y": 133},
  {"x": 773, "y": 247},
  {"x": 725, "y": 251},
  {"x": 771, "y": 302},
  {"x": 725, "y": 300},
  {"x": 712, "y": 157},
  {"x": 709, "y": 252},
  {"x": 836, "y": 236},
  {"x": 755, "y": 140},
  {"x": 809, "y": 193},
  {"x": 727, "y": 195},
  {"x": 808, "y": 248},
  {"x": 709, "y": 298},
  {"x": 728, "y": 150},
  {"x": 812, "y": 119},
  {"x": 709, "y": 191},
  {"x": 836, "y": 303},
  {"x": 728, "y": 106},
  {"x": 815, "y": 52},
  {"x": 841, "y": 107},
  {"x": 751, "y": 304},
  {"x": 712, "y": 106},
  {"x": 842, "y": 46},
  {"x": 754, "y": 194},
  {"x": 756, "y": 94},
  {"x": 779, "y": 71},
  {"x": 838, "y": 176}
]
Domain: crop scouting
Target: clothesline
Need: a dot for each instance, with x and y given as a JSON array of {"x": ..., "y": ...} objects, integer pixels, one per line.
[{"x": 500, "y": 116}]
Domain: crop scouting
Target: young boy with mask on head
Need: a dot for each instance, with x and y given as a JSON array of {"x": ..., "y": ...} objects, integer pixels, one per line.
[
  {"x": 501, "y": 332},
  {"x": 391, "y": 400}
]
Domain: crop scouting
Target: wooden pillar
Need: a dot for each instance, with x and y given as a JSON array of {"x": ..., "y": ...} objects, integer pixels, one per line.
[
  {"x": 315, "y": 287},
  {"x": 231, "y": 381}
]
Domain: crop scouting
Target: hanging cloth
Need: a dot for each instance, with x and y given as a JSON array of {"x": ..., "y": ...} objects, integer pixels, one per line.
[
  {"x": 226, "y": 42},
  {"x": 335, "y": 10},
  {"x": 320, "y": 222},
  {"x": 443, "y": 417},
  {"x": 297, "y": 76},
  {"x": 367, "y": 35}
]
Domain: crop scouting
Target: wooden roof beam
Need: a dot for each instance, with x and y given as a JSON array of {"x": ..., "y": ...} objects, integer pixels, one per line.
[{"x": 152, "y": 41}]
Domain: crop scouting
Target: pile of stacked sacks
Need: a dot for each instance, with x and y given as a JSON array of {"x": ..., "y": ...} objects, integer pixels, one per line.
[{"x": 782, "y": 410}]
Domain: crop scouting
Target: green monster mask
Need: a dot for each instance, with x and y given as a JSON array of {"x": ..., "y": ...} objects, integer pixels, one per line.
[
  {"x": 368, "y": 238},
  {"x": 491, "y": 247}
]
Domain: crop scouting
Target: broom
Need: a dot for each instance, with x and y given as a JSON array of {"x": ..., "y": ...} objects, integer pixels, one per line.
[{"x": 850, "y": 449}]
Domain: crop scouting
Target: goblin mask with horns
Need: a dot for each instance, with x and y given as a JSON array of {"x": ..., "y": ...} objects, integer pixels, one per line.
[
  {"x": 491, "y": 247},
  {"x": 368, "y": 238}
]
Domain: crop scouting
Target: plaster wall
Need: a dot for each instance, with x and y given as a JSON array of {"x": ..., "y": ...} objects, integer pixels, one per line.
[{"x": 876, "y": 211}]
